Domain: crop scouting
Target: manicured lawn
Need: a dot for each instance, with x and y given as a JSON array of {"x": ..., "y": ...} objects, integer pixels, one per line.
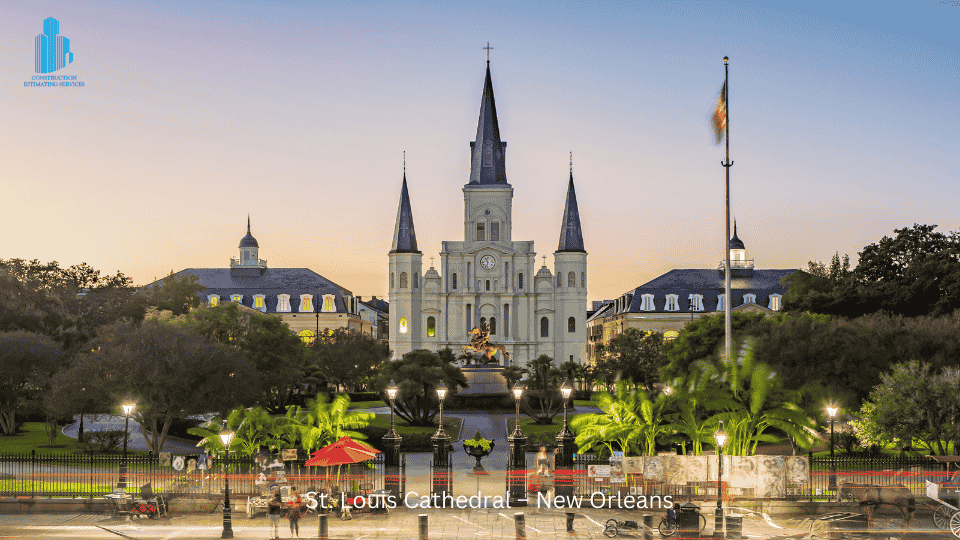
[
  {"x": 66, "y": 488},
  {"x": 451, "y": 425},
  {"x": 359, "y": 405},
  {"x": 32, "y": 436}
]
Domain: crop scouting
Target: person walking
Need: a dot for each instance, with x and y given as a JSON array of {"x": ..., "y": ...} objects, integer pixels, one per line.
[
  {"x": 543, "y": 462},
  {"x": 274, "y": 510},
  {"x": 295, "y": 512}
]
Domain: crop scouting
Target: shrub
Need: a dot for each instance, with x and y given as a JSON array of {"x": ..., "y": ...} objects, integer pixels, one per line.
[{"x": 102, "y": 441}]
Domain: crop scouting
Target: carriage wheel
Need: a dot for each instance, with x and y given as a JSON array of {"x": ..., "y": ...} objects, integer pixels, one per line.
[
  {"x": 955, "y": 524},
  {"x": 610, "y": 531},
  {"x": 667, "y": 527},
  {"x": 610, "y": 522},
  {"x": 941, "y": 517}
]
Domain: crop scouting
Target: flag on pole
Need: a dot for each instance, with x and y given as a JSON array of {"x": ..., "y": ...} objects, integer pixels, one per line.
[{"x": 719, "y": 119}]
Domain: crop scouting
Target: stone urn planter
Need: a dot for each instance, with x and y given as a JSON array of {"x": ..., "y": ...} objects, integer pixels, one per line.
[{"x": 478, "y": 451}]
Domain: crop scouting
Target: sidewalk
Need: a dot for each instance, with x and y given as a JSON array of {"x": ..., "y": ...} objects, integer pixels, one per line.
[{"x": 400, "y": 524}]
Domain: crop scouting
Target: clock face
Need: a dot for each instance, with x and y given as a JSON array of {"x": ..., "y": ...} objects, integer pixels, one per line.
[{"x": 488, "y": 262}]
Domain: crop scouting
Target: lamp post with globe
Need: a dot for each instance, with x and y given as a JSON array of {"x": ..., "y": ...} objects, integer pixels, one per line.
[
  {"x": 391, "y": 443},
  {"x": 441, "y": 450},
  {"x": 127, "y": 410},
  {"x": 517, "y": 466},
  {"x": 721, "y": 438},
  {"x": 832, "y": 412},
  {"x": 226, "y": 437},
  {"x": 564, "y": 462}
]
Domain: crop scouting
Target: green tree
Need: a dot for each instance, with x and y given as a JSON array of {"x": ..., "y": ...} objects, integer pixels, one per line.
[
  {"x": 170, "y": 372},
  {"x": 177, "y": 293},
  {"x": 417, "y": 374},
  {"x": 638, "y": 356},
  {"x": 702, "y": 339},
  {"x": 542, "y": 401},
  {"x": 348, "y": 359},
  {"x": 631, "y": 421},
  {"x": 278, "y": 355},
  {"x": 692, "y": 399},
  {"x": 27, "y": 360},
  {"x": 324, "y": 421}
]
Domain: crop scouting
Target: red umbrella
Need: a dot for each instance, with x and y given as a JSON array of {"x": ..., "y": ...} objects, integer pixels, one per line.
[{"x": 342, "y": 452}]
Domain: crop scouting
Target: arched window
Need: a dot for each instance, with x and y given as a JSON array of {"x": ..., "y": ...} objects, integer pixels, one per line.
[
  {"x": 480, "y": 232},
  {"x": 520, "y": 280},
  {"x": 469, "y": 318},
  {"x": 259, "y": 302},
  {"x": 238, "y": 298},
  {"x": 306, "y": 302},
  {"x": 214, "y": 300},
  {"x": 403, "y": 280},
  {"x": 571, "y": 279},
  {"x": 544, "y": 327},
  {"x": 493, "y": 325},
  {"x": 403, "y": 325},
  {"x": 416, "y": 280},
  {"x": 307, "y": 336},
  {"x": 454, "y": 280},
  {"x": 571, "y": 325},
  {"x": 488, "y": 284},
  {"x": 328, "y": 303},
  {"x": 583, "y": 280},
  {"x": 483, "y": 322},
  {"x": 431, "y": 327},
  {"x": 558, "y": 280},
  {"x": 283, "y": 302},
  {"x": 391, "y": 280}
]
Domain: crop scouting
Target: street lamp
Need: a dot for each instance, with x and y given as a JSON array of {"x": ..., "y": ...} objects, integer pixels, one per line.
[
  {"x": 721, "y": 437},
  {"x": 518, "y": 460},
  {"x": 832, "y": 412},
  {"x": 565, "y": 442},
  {"x": 441, "y": 448},
  {"x": 441, "y": 393},
  {"x": 127, "y": 409},
  {"x": 392, "y": 395},
  {"x": 226, "y": 436},
  {"x": 517, "y": 394},
  {"x": 391, "y": 442}
]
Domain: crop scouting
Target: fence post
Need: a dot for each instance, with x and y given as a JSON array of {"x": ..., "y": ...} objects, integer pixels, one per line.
[
  {"x": 33, "y": 473},
  {"x": 91, "y": 475},
  {"x": 424, "y": 529},
  {"x": 813, "y": 488},
  {"x": 520, "y": 525}
]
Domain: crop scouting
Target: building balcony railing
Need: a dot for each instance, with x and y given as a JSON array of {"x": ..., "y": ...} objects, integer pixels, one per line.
[
  {"x": 236, "y": 263},
  {"x": 734, "y": 264}
]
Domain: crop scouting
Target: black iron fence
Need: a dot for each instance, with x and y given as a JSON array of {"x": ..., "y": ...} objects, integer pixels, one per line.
[
  {"x": 826, "y": 474},
  {"x": 79, "y": 475}
]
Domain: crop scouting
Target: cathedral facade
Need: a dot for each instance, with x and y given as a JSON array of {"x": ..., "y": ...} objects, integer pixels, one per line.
[{"x": 489, "y": 279}]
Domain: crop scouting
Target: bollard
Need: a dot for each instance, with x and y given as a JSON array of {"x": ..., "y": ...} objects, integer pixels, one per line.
[
  {"x": 647, "y": 527},
  {"x": 570, "y": 516},
  {"x": 718, "y": 524},
  {"x": 323, "y": 531},
  {"x": 735, "y": 526},
  {"x": 521, "y": 527},
  {"x": 424, "y": 530}
]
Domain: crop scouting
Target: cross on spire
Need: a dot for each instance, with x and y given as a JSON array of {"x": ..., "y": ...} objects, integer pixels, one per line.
[
  {"x": 404, "y": 163},
  {"x": 431, "y": 262},
  {"x": 544, "y": 259},
  {"x": 571, "y": 163},
  {"x": 488, "y": 47}
]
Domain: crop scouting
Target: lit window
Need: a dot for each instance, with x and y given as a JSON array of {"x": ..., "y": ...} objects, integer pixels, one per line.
[
  {"x": 238, "y": 298},
  {"x": 571, "y": 325},
  {"x": 720, "y": 302},
  {"x": 307, "y": 336},
  {"x": 696, "y": 302},
  {"x": 403, "y": 325},
  {"x": 283, "y": 302},
  {"x": 673, "y": 303},
  {"x": 480, "y": 232},
  {"x": 259, "y": 302},
  {"x": 328, "y": 304},
  {"x": 431, "y": 327},
  {"x": 495, "y": 231},
  {"x": 520, "y": 280},
  {"x": 571, "y": 279},
  {"x": 306, "y": 302},
  {"x": 671, "y": 334},
  {"x": 403, "y": 280},
  {"x": 646, "y": 303},
  {"x": 544, "y": 327},
  {"x": 775, "y": 300},
  {"x": 749, "y": 299},
  {"x": 214, "y": 300},
  {"x": 454, "y": 281}
]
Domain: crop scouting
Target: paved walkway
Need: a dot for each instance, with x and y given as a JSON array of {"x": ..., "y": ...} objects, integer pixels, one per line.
[{"x": 137, "y": 441}]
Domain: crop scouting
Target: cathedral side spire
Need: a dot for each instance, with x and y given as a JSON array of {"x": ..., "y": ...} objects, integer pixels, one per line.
[
  {"x": 487, "y": 156},
  {"x": 571, "y": 236},
  {"x": 404, "y": 236}
]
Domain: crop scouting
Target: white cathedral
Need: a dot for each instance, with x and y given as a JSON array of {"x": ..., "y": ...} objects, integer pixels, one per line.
[{"x": 488, "y": 277}]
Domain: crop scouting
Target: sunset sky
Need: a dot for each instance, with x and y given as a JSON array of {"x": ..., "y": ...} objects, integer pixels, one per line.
[{"x": 844, "y": 124}]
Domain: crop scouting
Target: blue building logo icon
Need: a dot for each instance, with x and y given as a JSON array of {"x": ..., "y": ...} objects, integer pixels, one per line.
[{"x": 50, "y": 50}]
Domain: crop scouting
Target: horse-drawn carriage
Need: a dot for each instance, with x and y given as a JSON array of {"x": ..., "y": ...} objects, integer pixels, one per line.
[{"x": 947, "y": 514}]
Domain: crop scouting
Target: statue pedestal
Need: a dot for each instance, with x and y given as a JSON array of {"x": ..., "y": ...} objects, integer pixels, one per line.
[{"x": 484, "y": 380}]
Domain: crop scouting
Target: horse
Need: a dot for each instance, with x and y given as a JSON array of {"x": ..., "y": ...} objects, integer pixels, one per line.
[
  {"x": 870, "y": 496},
  {"x": 487, "y": 350}
]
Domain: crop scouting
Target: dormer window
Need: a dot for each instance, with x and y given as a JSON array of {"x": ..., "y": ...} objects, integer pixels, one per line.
[
  {"x": 646, "y": 303},
  {"x": 259, "y": 302},
  {"x": 238, "y": 298},
  {"x": 673, "y": 303},
  {"x": 775, "y": 302},
  {"x": 696, "y": 302},
  {"x": 720, "y": 299},
  {"x": 750, "y": 299},
  {"x": 329, "y": 305},
  {"x": 283, "y": 302},
  {"x": 306, "y": 302},
  {"x": 213, "y": 300}
]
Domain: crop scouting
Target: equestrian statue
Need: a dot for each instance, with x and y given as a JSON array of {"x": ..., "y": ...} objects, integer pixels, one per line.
[{"x": 480, "y": 348}]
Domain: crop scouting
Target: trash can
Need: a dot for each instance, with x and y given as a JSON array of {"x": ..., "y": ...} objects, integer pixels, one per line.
[
  {"x": 735, "y": 525},
  {"x": 688, "y": 520}
]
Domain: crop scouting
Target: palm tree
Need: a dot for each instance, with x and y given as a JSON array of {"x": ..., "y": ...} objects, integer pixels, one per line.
[
  {"x": 631, "y": 420},
  {"x": 321, "y": 423},
  {"x": 692, "y": 399}
]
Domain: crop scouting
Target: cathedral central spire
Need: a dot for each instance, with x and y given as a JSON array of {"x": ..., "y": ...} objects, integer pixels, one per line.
[{"x": 487, "y": 156}]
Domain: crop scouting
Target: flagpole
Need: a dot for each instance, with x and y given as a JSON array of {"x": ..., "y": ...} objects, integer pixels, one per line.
[{"x": 728, "y": 322}]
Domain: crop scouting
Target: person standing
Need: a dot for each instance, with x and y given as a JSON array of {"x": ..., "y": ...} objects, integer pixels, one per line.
[
  {"x": 274, "y": 510},
  {"x": 543, "y": 462},
  {"x": 294, "y": 512}
]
